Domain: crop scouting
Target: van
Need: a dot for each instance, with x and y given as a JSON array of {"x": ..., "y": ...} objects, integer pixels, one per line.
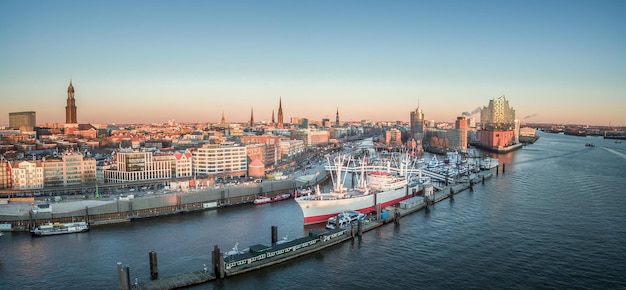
[{"x": 258, "y": 180}]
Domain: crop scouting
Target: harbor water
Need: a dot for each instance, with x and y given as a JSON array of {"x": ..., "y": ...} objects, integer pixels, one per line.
[{"x": 555, "y": 219}]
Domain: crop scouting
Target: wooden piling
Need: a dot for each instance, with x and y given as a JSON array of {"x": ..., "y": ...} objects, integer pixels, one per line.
[
  {"x": 503, "y": 166},
  {"x": 218, "y": 262},
  {"x": 154, "y": 268},
  {"x": 123, "y": 276},
  {"x": 483, "y": 179},
  {"x": 497, "y": 169},
  {"x": 360, "y": 228},
  {"x": 274, "y": 235}
]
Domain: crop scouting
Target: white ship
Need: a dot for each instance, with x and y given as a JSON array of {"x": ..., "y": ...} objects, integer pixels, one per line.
[
  {"x": 378, "y": 188},
  {"x": 59, "y": 228}
]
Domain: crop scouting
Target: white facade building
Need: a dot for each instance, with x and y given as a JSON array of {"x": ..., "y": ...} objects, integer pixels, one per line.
[
  {"x": 138, "y": 166},
  {"x": 214, "y": 159},
  {"x": 26, "y": 175}
]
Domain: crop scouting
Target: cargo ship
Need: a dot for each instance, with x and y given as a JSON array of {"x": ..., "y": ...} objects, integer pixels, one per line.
[
  {"x": 381, "y": 188},
  {"x": 50, "y": 229}
]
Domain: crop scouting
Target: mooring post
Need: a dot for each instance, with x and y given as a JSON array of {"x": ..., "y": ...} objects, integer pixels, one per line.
[
  {"x": 483, "y": 179},
  {"x": 503, "y": 165},
  {"x": 396, "y": 218},
  {"x": 497, "y": 169},
  {"x": 451, "y": 193},
  {"x": 360, "y": 228},
  {"x": 123, "y": 276},
  {"x": 218, "y": 262},
  {"x": 274, "y": 235},
  {"x": 154, "y": 268},
  {"x": 337, "y": 221}
]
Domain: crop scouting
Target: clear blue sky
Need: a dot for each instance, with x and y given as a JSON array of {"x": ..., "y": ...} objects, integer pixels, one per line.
[{"x": 151, "y": 61}]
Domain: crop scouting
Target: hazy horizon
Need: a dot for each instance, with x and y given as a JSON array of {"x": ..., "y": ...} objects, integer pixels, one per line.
[{"x": 560, "y": 62}]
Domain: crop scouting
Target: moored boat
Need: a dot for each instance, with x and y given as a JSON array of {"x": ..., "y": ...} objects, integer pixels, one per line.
[
  {"x": 345, "y": 218},
  {"x": 262, "y": 200},
  {"x": 49, "y": 229},
  {"x": 281, "y": 197}
]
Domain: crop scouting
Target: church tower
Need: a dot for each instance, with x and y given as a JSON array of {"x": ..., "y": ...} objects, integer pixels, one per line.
[
  {"x": 273, "y": 121},
  {"x": 70, "y": 108},
  {"x": 337, "y": 119},
  {"x": 223, "y": 123},
  {"x": 280, "y": 125}
]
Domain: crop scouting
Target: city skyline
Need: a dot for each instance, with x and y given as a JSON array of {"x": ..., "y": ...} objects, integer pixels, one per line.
[{"x": 149, "y": 62}]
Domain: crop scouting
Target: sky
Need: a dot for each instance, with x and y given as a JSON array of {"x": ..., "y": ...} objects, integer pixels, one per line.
[{"x": 154, "y": 61}]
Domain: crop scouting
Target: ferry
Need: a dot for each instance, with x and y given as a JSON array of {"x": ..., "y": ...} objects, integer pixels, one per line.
[{"x": 49, "y": 229}]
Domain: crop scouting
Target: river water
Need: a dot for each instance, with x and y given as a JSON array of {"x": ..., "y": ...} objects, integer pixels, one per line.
[{"x": 555, "y": 219}]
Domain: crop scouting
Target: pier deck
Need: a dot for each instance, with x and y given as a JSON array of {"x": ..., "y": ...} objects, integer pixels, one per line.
[{"x": 178, "y": 281}]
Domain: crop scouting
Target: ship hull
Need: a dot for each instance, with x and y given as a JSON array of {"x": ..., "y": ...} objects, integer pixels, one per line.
[{"x": 319, "y": 210}]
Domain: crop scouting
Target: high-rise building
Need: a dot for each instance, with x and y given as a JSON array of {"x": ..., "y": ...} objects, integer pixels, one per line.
[
  {"x": 499, "y": 129},
  {"x": 498, "y": 115},
  {"x": 70, "y": 108},
  {"x": 417, "y": 125},
  {"x": 23, "y": 121},
  {"x": 461, "y": 128},
  {"x": 416, "y": 133},
  {"x": 280, "y": 125}
]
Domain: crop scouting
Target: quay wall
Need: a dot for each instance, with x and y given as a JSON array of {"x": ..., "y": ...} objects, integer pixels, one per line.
[{"x": 154, "y": 205}]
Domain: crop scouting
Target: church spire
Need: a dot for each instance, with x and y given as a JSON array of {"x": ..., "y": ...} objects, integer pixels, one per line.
[
  {"x": 280, "y": 125},
  {"x": 223, "y": 119},
  {"x": 251, "y": 117},
  {"x": 70, "y": 108},
  {"x": 337, "y": 119}
]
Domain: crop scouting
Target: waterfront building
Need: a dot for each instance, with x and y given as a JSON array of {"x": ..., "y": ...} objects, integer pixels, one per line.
[
  {"x": 26, "y": 174},
  {"x": 23, "y": 121},
  {"x": 183, "y": 165},
  {"x": 69, "y": 169},
  {"x": 291, "y": 148},
  {"x": 138, "y": 166},
  {"x": 271, "y": 156},
  {"x": 5, "y": 174},
  {"x": 393, "y": 137},
  {"x": 226, "y": 159},
  {"x": 311, "y": 137},
  {"x": 461, "y": 126},
  {"x": 498, "y": 128},
  {"x": 417, "y": 125}
]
